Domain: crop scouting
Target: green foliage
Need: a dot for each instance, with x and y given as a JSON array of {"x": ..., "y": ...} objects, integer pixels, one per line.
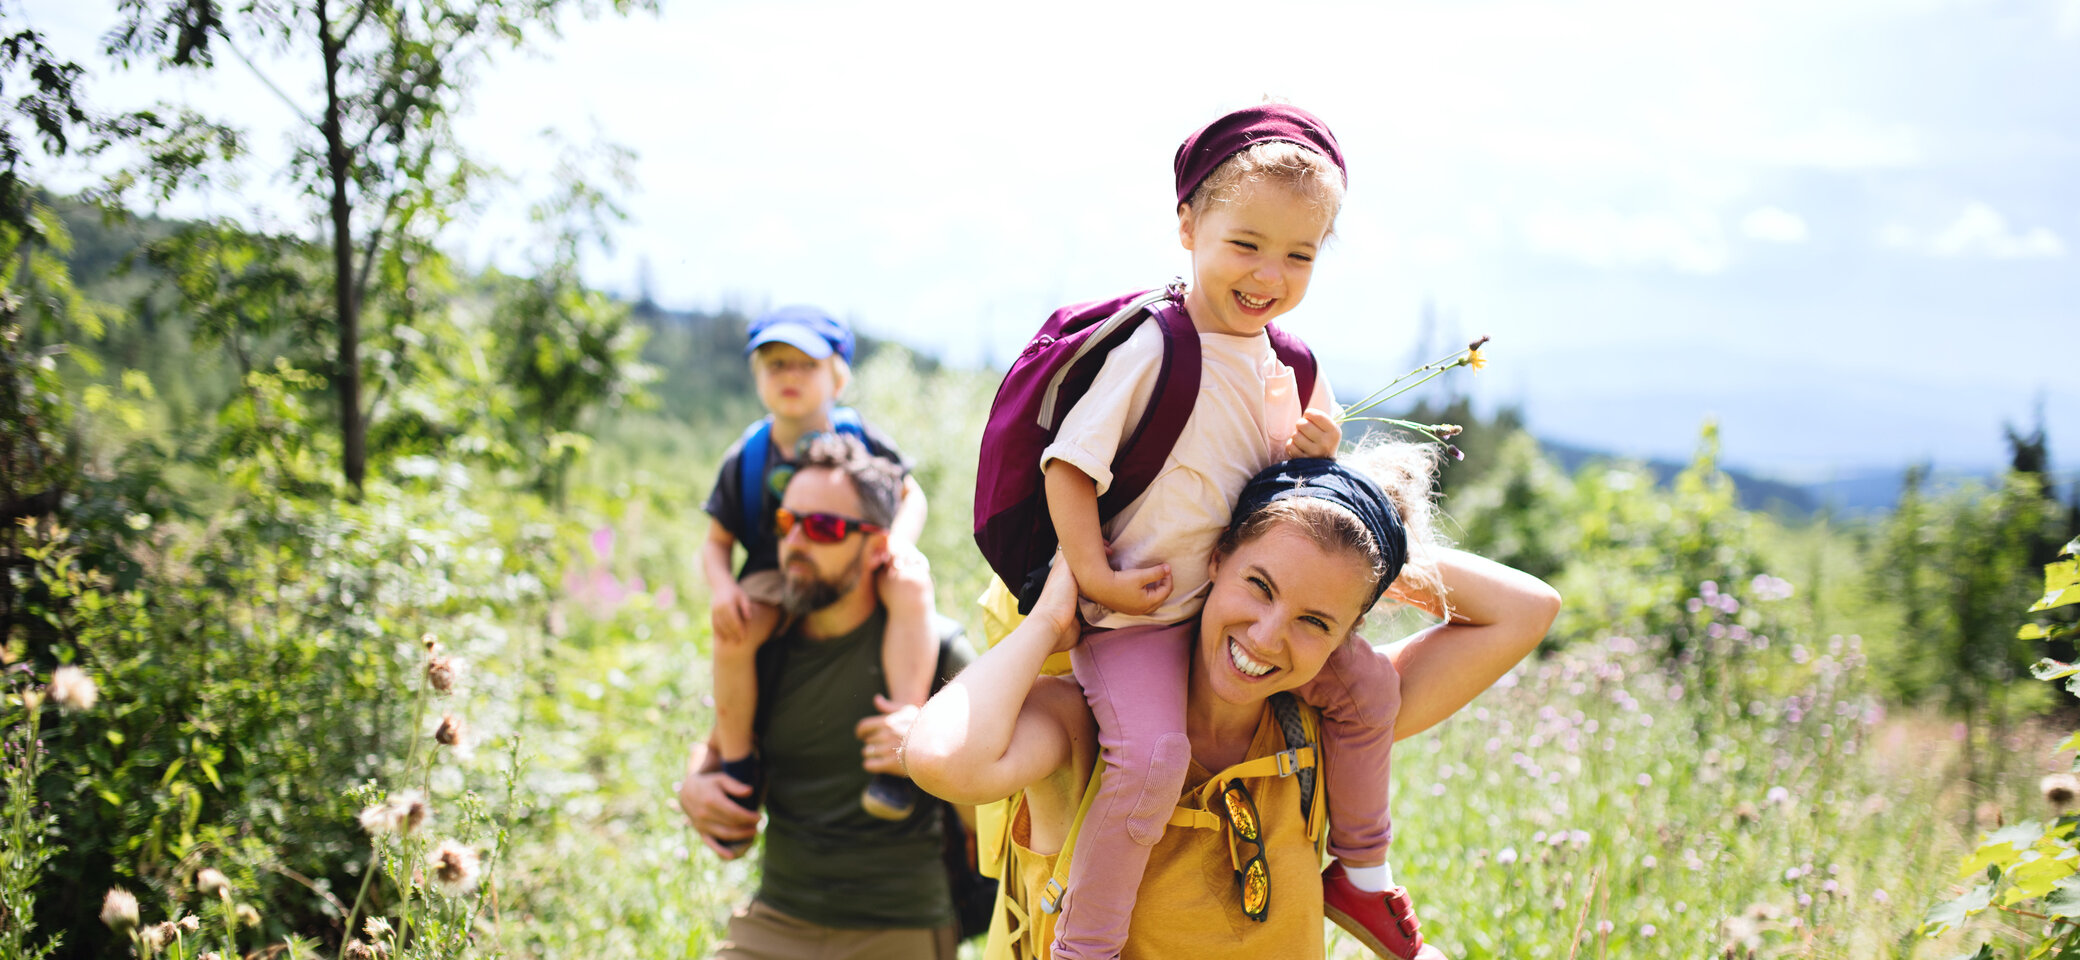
[{"x": 2032, "y": 869}]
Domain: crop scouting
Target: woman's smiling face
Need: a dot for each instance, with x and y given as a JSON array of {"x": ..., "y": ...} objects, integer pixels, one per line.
[{"x": 1280, "y": 604}]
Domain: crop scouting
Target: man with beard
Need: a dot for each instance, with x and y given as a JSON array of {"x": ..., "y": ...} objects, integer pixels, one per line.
[{"x": 836, "y": 882}]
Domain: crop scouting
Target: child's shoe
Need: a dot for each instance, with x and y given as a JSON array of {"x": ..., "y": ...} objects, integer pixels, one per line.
[
  {"x": 1386, "y": 922},
  {"x": 889, "y": 797}
]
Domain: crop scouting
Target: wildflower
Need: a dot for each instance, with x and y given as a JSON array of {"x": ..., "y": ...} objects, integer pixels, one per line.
[
  {"x": 1604, "y": 927},
  {"x": 1745, "y": 813},
  {"x": 212, "y": 883},
  {"x": 1454, "y": 452},
  {"x": 430, "y": 642},
  {"x": 1879, "y": 896},
  {"x": 1777, "y": 797},
  {"x": 247, "y": 915},
  {"x": 156, "y": 936},
  {"x": 1649, "y": 861},
  {"x": 1446, "y": 431},
  {"x": 359, "y": 950},
  {"x": 2059, "y": 789},
  {"x": 73, "y": 689},
  {"x": 405, "y": 811},
  {"x": 1473, "y": 353},
  {"x": 454, "y": 866},
  {"x": 119, "y": 910},
  {"x": 442, "y": 673},
  {"x": 1645, "y": 780},
  {"x": 210, "y": 955},
  {"x": 450, "y": 731},
  {"x": 377, "y": 928},
  {"x": 1507, "y": 856},
  {"x": 190, "y": 923},
  {"x": 1648, "y": 930}
]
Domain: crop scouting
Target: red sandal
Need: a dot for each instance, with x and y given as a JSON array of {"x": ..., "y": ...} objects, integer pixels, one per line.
[{"x": 1386, "y": 922}]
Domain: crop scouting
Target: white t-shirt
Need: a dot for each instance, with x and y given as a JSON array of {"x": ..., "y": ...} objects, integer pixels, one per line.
[{"x": 1245, "y": 414}]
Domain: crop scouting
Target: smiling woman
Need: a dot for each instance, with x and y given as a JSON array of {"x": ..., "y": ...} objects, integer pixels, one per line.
[{"x": 1294, "y": 577}]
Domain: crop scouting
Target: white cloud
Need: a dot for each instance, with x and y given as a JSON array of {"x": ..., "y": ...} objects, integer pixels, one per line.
[
  {"x": 1774, "y": 225},
  {"x": 1602, "y": 237},
  {"x": 1979, "y": 231}
]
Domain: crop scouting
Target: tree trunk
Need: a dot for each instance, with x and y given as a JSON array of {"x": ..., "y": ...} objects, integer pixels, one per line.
[{"x": 347, "y": 376}]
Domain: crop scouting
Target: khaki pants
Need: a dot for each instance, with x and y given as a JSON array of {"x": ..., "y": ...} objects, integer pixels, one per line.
[{"x": 759, "y": 932}]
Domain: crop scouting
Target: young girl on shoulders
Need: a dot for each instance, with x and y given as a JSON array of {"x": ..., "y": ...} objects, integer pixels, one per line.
[{"x": 1257, "y": 195}]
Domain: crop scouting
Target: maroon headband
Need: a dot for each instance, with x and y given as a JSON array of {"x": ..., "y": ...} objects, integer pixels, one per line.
[{"x": 1202, "y": 152}]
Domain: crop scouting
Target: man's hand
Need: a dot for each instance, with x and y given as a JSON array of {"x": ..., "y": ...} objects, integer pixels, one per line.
[
  {"x": 881, "y": 737},
  {"x": 706, "y": 798},
  {"x": 1316, "y": 434},
  {"x": 905, "y": 583}
]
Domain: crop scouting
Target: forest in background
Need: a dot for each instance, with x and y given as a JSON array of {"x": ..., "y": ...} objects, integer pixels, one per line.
[{"x": 414, "y": 665}]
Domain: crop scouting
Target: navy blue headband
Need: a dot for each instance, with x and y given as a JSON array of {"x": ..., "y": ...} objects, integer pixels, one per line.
[{"x": 1325, "y": 479}]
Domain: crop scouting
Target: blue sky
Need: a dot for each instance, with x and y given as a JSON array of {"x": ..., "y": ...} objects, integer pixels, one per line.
[{"x": 1848, "y": 231}]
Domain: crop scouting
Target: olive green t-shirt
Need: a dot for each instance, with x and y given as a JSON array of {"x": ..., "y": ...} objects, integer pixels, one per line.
[{"x": 826, "y": 859}]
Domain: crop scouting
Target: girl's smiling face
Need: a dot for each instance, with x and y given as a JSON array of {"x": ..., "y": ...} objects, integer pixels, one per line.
[
  {"x": 1280, "y": 604},
  {"x": 1251, "y": 256}
]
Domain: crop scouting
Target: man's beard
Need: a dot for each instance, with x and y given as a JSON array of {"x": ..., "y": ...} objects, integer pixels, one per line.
[{"x": 803, "y": 592}]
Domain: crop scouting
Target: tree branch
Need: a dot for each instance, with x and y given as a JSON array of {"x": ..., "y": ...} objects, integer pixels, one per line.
[{"x": 264, "y": 81}]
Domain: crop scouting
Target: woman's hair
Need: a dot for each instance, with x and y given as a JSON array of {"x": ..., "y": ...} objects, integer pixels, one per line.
[
  {"x": 1407, "y": 472},
  {"x": 1280, "y": 162}
]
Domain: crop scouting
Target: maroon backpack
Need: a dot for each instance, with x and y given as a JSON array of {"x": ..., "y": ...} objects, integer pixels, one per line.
[{"x": 1012, "y": 525}]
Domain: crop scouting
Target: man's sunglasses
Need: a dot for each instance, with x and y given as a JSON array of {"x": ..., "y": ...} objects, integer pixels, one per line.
[
  {"x": 1252, "y": 875},
  {"x": 821, "y": 527}
]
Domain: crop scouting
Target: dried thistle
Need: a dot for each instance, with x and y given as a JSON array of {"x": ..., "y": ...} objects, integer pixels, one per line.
[
  {"x": 212, "y": 883},
  {"x": 360, "y": 950},
  {"x": 247, "y": 915},
  {"x": 119, "y": 911},
  {"x": 454, "y": 867},
  {"x": 190, "y": 923},
  {"x": 73, "y": 689},
  {"x": 2059, "y": 789},
  {"x": 442, "y": 673},
  {"x": 451, "y": 730},
  {"x": 377, "y": 928}
]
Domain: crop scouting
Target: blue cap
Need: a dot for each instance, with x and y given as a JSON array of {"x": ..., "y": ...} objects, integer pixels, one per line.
[{"x": 807, "y": 329}]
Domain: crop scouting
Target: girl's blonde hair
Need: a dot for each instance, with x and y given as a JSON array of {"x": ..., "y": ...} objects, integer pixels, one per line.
[
  {"x": 1290, "y": 165},
  {"x": 1407, "y": 473}
]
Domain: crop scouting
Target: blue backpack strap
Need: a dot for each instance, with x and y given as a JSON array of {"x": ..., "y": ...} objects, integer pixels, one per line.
[
  {"x": 751, "y": 478},
  {"x": 847, "y": 420}
]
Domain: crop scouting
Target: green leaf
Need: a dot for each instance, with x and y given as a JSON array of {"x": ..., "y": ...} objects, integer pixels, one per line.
[
  {"x": 2056, "y": 598},
  {"x": 2031, "y": 631},
  {"x": 1951, "y": 913},
  {"x": 2060, "y": 574},
  {"x": 110, "y": 796},
  {"x": 1985, "y": 952},
  {"x": 2070, "y": 743},
  {"x": 2063, "y": 900},
  {"x": 2037, "y": 877},
  {"x": 2049, "y": 669}
]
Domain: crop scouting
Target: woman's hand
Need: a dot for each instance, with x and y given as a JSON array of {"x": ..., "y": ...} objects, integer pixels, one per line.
[{"x": 1056, "y": 608}]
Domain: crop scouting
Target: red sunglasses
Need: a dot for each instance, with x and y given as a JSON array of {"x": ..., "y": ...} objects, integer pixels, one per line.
[{"x": 821, "y": 527}]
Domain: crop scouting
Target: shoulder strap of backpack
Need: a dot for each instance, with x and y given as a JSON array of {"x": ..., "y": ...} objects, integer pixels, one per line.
[
  {"x": 1302, "y": 757},
  {"x": 847, "y": 420},
  {"x": 751, "y": 476},
  {"x": 1142, "y": 456},
  {"x": 1294, "y": 353}
]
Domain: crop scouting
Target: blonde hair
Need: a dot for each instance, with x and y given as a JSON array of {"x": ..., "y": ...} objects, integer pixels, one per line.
[
  {"x": 1407, "y": 473},
  {"x": 1290, "y": 165}
]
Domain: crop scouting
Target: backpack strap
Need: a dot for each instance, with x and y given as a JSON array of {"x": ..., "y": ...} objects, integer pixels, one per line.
[
  {"x": 751, "y": 466},
  {"x": 751, "y": 479},
  {"x": 1294, "y": 353},
  {"x": 1142, "y": 456},
  {"x": 1302, "y": 757}
]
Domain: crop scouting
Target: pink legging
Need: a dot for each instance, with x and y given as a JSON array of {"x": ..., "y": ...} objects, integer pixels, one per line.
[{"x": 1135, "y": 680}]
